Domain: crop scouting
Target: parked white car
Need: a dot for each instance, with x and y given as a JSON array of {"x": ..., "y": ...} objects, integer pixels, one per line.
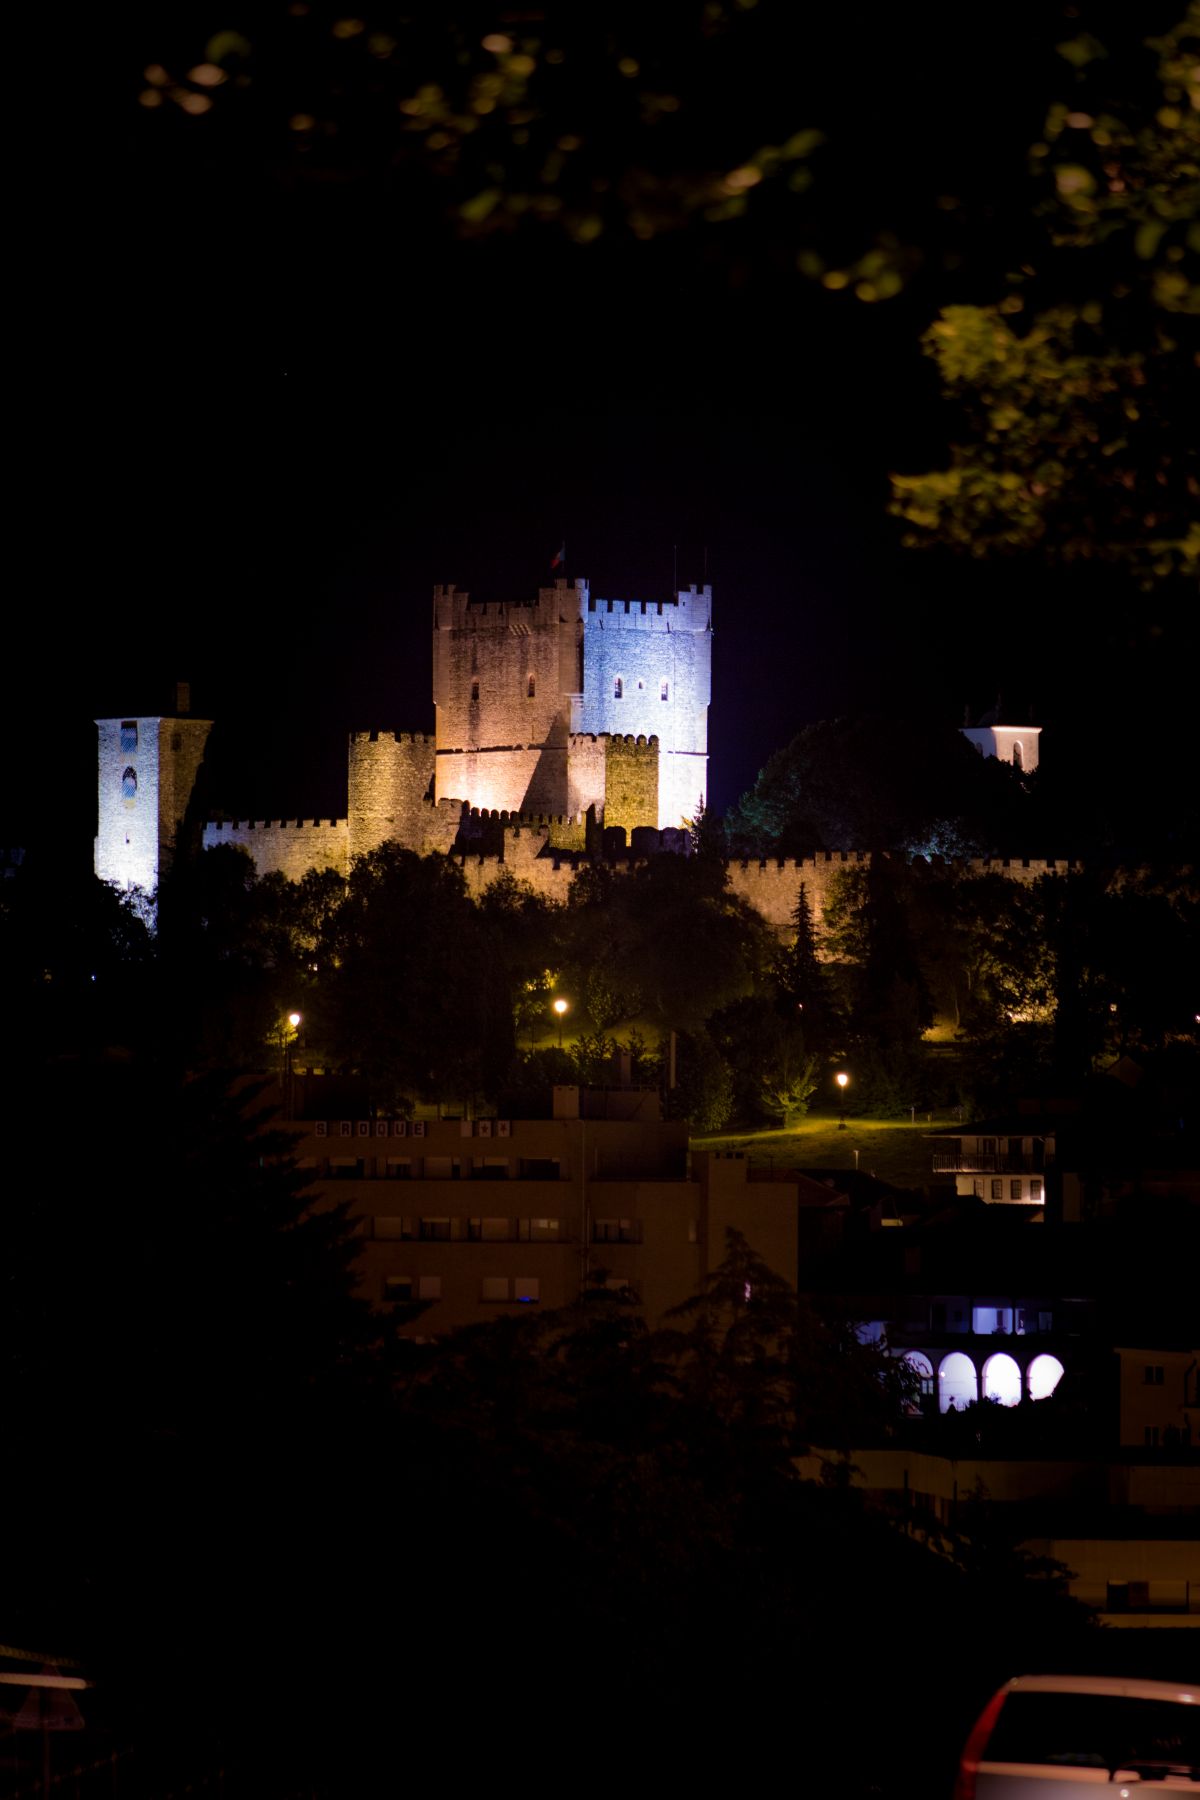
[{"x": 1064, "y": 1737}]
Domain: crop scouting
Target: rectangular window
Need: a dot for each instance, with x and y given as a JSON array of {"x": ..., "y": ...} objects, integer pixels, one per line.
[
  {"x": 435, "y": 1231},
  {"x": 494, "y": 1287},
  {"x": 129, "y": 734},
  {"x": 987, "y": 1146},
  {"x": 997, "y": 1190},
  {"x": 618, "y": 687},
  {"x": 1153, "y": 1376},
  {"x": 397, "y": 1287},
  {"x": 429, "y": 1287},
  {"x": 540, "y": 1168},
  {"x": 616, "y": 1231},
  {"x": 1152, "y": 1437},
  {"x": 1035, "y": 1190},
  {"x": 388, "y": 1225},
  {"x": 1016, "y": 1149},
  {"x": 474, "y": 690},
  {"x": 399, "y": 1168},
  {"x": 537, "y": 1231},
  {"x": 527, "y": 1288},
  {"x": 1014, "y": 1190},
  {"x": 977, "y": 1188},
  {"x": 490, "y": 1168},
  {"x": 664, "y": 692},
  {"x": 693, "y": 1231},
  {"x": 489, "y": 1231}
]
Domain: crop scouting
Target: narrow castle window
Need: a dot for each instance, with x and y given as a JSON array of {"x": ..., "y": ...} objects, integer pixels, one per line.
[
  {"x": 664, "y": 692},
  {"x": 129, "y": 784},
  {"x": 531, "y": 687},
  {"x": 129, "y": 734},
  {"x": 1018, "y": 754},
  {"x": 618, "y": 688},
  {"x": 475, "y": 690}
]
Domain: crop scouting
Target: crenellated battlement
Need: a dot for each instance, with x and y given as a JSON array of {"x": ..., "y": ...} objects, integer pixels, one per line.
[
  {"x": 628, "y": 740},
  {"x": 226, "y": 827},
  {"x": 421, "y": 740},
  {"x": 689, "y": 609}
]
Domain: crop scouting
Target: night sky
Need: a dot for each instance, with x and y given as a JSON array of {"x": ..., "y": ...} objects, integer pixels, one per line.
[{"x": 258, "y": 420}]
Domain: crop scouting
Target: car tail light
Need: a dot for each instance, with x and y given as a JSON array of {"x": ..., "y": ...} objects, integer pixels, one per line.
[{"x": 972, "y": 1756}]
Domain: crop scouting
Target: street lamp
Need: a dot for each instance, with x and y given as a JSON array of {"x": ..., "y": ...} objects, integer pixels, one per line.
[
  {"x": 841, "y": 1078},
  {"x": 560, "y": 1007},
  {"x": 287, "y": 1031}
]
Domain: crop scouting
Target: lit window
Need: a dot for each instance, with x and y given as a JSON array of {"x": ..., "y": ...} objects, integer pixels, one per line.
[
  {"x": 129, "y": 734},
  {"x": 129, "y": 784},
  {"x": 664, "y": 692},
  {"x": 618, "y": 688},
  {"x": 526, "y": 1289},
  {"x": 1035, "y": 1190},
  {"x": 429, "y": 1287}
]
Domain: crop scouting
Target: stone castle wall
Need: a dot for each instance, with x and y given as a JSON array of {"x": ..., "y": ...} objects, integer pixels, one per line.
[{"x": 286, "y": 847}]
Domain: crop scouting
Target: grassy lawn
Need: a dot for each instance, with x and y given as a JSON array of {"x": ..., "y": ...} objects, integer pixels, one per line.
[{"x": 895, "y": 1150}]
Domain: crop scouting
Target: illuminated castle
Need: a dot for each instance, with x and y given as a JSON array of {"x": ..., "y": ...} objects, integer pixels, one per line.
[{"x": 555, "y": 718}]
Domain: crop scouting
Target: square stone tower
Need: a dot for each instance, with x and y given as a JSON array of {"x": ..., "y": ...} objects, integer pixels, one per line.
[
  {"x": 529, "y": 695},
  {"x": 147, "y": 772}
]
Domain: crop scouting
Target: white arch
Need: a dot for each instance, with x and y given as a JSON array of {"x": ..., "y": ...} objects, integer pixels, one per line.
[
  {"x": 957, "y": 1385},
  {"x": 1043, "y": 1376},
  {"x": 1002, "y": 1379},
  {"x": 922, "y": 1368}
]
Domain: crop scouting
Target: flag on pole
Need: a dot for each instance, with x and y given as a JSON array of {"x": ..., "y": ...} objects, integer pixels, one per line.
[{"x": 558, "y": 561}]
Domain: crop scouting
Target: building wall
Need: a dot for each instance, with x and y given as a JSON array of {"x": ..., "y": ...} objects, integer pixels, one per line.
[
  {"x": 1159, "y": 1394},
  {"x": 1009, "y": 743},
  {"x": 146, "y": 774}
]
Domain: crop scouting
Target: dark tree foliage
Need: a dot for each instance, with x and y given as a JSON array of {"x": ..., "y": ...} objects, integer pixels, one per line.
[
  {"x": 879, "y": 783},
  {"x": 411, "y": 992}
]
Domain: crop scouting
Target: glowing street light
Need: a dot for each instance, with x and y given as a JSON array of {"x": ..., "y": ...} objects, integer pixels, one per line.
[
  {"x": 841, "y": 1078},
  {"x": 287, "y": 1032},
  {"x": 560, "y": 1007}
]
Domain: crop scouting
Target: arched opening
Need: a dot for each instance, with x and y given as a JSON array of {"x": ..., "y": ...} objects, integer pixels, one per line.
[
  {"x": 1043, "y": 1376},
  {"x": 1018, "y": 754},
  {"x": 922, "y": 1368},
  {"x": 618, "y": 688},
  {"x": 531, "y": 687},
  {"x": 957, "y": 1387},
  {"x": 129, "y": 784},
  {"x": 1002, "y": 1380}
]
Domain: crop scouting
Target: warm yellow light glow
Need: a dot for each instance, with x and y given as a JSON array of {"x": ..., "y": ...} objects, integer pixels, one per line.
[
  {"x": 841, "y": 1080},
  {"x": 293, "y": 1020},
  {"x": 560, "y": 1007}
]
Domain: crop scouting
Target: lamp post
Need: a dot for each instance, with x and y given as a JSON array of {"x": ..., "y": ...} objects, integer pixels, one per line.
[
  {"x": 287, "y": 1032},
  {"x": 560, "y": 1007},
  {"x": 841, "y": 1078}
]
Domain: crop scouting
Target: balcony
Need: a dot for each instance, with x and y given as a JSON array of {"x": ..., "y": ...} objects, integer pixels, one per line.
[{"x": 999, "y": 1162}]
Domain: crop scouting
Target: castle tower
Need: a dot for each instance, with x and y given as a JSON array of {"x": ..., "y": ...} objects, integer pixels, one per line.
[
  {"x": 647, "y": 671},
  {"x": 505, "y": 676},
  {"x": 527, "y": 693},
  {"x": 147, "y": 771}
]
